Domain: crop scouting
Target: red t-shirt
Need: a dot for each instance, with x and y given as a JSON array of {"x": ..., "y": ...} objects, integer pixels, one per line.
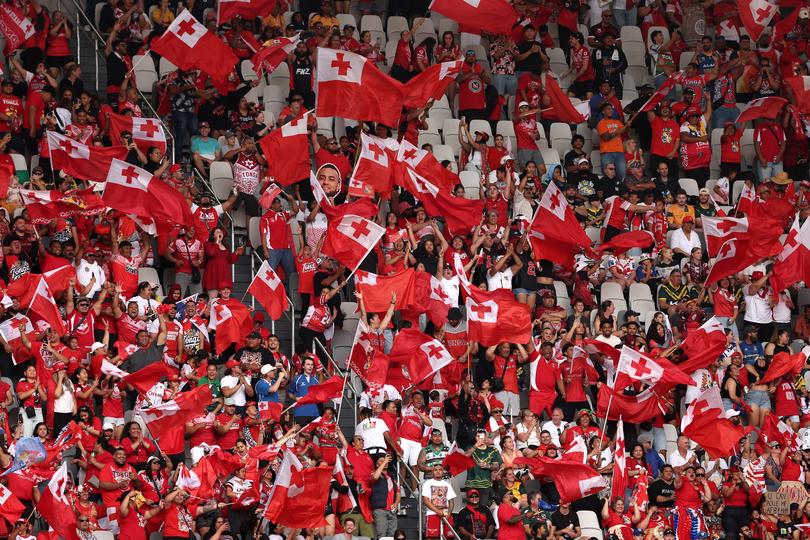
[
  {"x": 11, "y": 106},
  {"x": 730, "y": 148},
  {"x": 724, "y": 303},
  {"x": 769, "y": 135},
  {"x": 81, "y": 325},
  {"x": 664, "y": 134},
  {"x": 525, "y": 130},
  {"x": 471, "y": 91},
  {"x": 580, "y": 58},
  {"x": 228, "y": 439},
  {"x": 184, "y": 253},
  {"x": 322, "y": 157},
  {"x": 114, "y": 473},
  {"x": 306, "y": 273},
  {"x": 125, "y": 273},
  {"x": 275, "y": 230},
  {"x": 506, "y": 530},
  {"x": 687, "y": 496}
]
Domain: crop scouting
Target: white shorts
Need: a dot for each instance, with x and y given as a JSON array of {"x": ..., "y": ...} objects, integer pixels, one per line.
[
  {"x": 114, "y": 421},
  {"x": 410, "y": 451},
  {"x": 511, "y": 403}
]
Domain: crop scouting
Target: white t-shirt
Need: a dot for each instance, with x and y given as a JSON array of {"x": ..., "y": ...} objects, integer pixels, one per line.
[
  {"x": 373, "y": 432},
  {"x": 64, "y": 403},
  {"x": 144, "y": 304},
  {"x": 676, "y": 460},
  {"x": 781, "y": 311},
  {"x": 500, "y": 280},
  {"x": 757, "y": 305},
  {"x": 440, "y": 493},
  {"x": 239, "y": 397},
  {"x": 533, "y": 440},
  {"x": 554, "y": 431},
  {"x": 387, "y": 392},
  {"x": 680, "y": 241},
  {"x": 85, "y": 272}
]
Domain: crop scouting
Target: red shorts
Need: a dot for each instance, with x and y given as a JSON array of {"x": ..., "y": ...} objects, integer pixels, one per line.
[
  {"x": 541, "y": 401},
  {"x": 432, "y": 526}
]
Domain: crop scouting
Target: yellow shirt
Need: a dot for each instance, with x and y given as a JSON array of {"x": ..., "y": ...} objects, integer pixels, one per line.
[
  {"x": 274, "y": 21},
  {"x": 326, "y": 21},
  {"x": 163, "y": 18},
  {"x": 675, "y": 213}
]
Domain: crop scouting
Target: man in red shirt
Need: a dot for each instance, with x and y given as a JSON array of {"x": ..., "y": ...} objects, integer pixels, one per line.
[
  {"x": 11, "y": 116},
  {"x": 124, "y": 265},
  {"x": 81, "y": 315},
  {"x": 114, "y": 479},
  {"x": 527, "y": 133},
  {"x": 769, "y": 144},
  {"x": 666, "y": 137},
  {"x": 472, "y": 101},
  {"x": 277, "y": 241},
  {"x": 186, "y": 252},
  {"x": 330, "y": 154}
]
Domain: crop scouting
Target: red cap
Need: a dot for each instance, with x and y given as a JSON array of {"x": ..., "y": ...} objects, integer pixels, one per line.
[
  {"x": 757, "y": 275},
  {"x": 174, "y": 168},
  {"x": 233, "y": 362},
  {"x": 688, "y": 219},
  {"x": 496, "y": 404}
]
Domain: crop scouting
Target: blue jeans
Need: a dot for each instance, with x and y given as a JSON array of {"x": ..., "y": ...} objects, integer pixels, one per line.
[
  {"x": 768, "y": 171},
  {"x": 185, "y": 125},
  {"x": 283, "y": 257},
  {"x": 506, "y": 85},
  {"x": 625, "y": 17},
  {"x": 724, "y": 114},
  {"x": 615, "y": 158}
]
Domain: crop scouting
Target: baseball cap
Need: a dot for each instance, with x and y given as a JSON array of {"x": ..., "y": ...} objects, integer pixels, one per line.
[
  {"x": 757, "y": 275},
  {"x": 258, "y": 317},
  {"x": 233, "y": 362},
  {"x": 731, "y": 413},
  {"x": 703, "y": 191},
  {"x": 471, "y": 492},
  {"x": 174, "y": 168},
  {"x": 229, "y": 133},
  {"x": 688, "y": 219},
  {"x": 229, "y": 401},
  {"x": 522, "y": 104},
  {"x": 205, "y": 124},
  {"x": 96, "y": 346},
  {"x": 580, "y": 161},
  {"x": 107, "y": 425},
  {"x": 267, "y": 368}
]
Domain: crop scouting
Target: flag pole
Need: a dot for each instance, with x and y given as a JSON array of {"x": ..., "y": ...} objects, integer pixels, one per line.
[{"x": 610, "y": 401}]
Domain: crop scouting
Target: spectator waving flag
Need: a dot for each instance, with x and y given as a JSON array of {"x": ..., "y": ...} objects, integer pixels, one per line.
[
  {"x": 792, "y": 264},
  {"x": 10, "y": 506},
  {"x": 331, "y": 388},
  {"x": 55, "y": 505},
  {"x": 635, "y": 366},
  {"x": 493, "y": 315},
  {"x": 351, "y": 86},
  {"x": 619, "y": 479},
  {"x": 555, "y": 233},
  {"x": 431, "y": 83},
  {"x": 756, "y": 15},
  {"x": 493, "y": 16},
  {"x": 16, "y": 28},
  {"x": 376, "y": 289},
  {"x": 706, "y": 423},
  {"x": 373, "y": 165},
  {"x": 231, "y": 320},
  {"x": 268, "y": 289},
  {"x": 190, "y": 45},
  {"x": 659, "y": 95},
  {"x": 718, "y": 230},
  {"x": 420, "y": 353},
  {"x": 272, "y": 55},
  {"x": 43, "y": 206},
  {"x": 766, "y": 107},
  {"x": 165, "y": 422},
  {"x": 298, "y": 494}
]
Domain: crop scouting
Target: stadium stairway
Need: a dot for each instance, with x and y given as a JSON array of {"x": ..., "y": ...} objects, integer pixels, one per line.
[{"x": 83, "y": 44}]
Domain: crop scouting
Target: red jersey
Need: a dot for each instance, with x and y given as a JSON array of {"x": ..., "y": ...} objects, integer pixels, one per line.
[
  {"x": 688, "y": 496},
  {"x": 12, "y": 107},
  {"x": 319, "y": 315},
  {"x": 471, "y": 91},
  {"x": 173, "y": 331},
  {"x": 206, "y": 433},
  {"x": 229, "y": 438},
  {"x": 785, "y": 399},
  {"x": 582, "y": 58},
  {"x": 185, "y": 252},
  {"x": 724, "y": 303},
  {"x": 81, "y": 325},
  {"x": 177, "y": 522},
  {"x": 125, "y": 273},
  {"x": 616, "y": 211},
  {"x": 306, "y": 266},
  {"x": 695, "y": 155},
  {"x": 410, "y": 425},
  {"x": 275, "y": 230},
  {"x": 525, "y": 131},
  {"x": 128, "y": 328},
  {"x": 664, "y": 135},
  {"x": 114, "y": 473},
  {"x": 730, "y": 148}
]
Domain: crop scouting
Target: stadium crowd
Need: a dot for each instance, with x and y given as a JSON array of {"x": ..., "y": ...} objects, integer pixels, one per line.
[{"x": 503, "y": 409}]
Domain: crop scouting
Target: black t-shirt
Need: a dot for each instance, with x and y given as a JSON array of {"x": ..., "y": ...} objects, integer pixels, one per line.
[
  {"x": 477, "y": 527},
  {"x": 116, "y": 69},
  {"x": 607, "y": 186},
  {"x": 533, "y": 62},
  {"x": 659, "y": 487},
  {"x": 561, "y": 521},
  {"x": 261, "y": 355},
  {"x": 641, "y": 124},
  {"x": 784, "y": 529},
  {"x": 571, "y": 156}
]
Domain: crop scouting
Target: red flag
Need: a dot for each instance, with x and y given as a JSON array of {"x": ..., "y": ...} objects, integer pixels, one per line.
[
  {"x": 703, "y": 346},
  {"x": 298, "y": 494},
  {"x": 165, "y": 422},
  {"x": 370, "y": 364},
  {"x": 755, "y": 16},
  {"x": 376, "y": 290},
  {"x": 594, "y": 346},
  {"x": 287, "y": 151},
  {"x": 264, "y": 452},
  {"x": 766, "y": 107},
  {"x": 494, "y": 318},
  {"x": 619, "y": 482},
  {"x": 15, "y": 27},
  {"x": 574, "y": 480},
  {"x": 431, "y": 83},
  {"x": 774, "y": 429},
  {"x": 705, "y": 423},
  {"x": 268, "y": 289},
  {"x": 784, "y": 364},
  {"x": 145, "y": 378},
  {"x": 373, "y": 165},
  {"x": 11, "y": 330},
  {"x": 54, "y": 505},
  {"x": 269, "y": 57},
  {"x": 6, "y": 172},
  {"x": 350, "y": 239},
  {"x": 420, "y": 353},
  {"x": 793, "y": 262},
  {"x": 45, "y": 206},
  {"x": 10, "y": 506},
  {"x": 430, "y": 298},
  {"x": 58, "y": 279},
  {"x": 269, "y": 410},
  {"x": 146, "y": 132},
  {"x": 457, "y": 462},
  {"x": 555, "y": 233},
  {"x": 800, "y": 86},
  {"x": 636, "y": 409},
  {"x": 784, "y": 26},
  {"x": 492, "y": 16},
  {"x": 231, "y": 319},
  {"x": 269, "y": 195},
  {"x": 352, "y": 87},
  {"x": 561, "y": 104},
  {"x": 629, "y": 240},
  {"x": 659, "y": 94},
  {"x": 720, "y": 229},
  {"x": 43, "y": 307},
  {"x": 331, "y": 388},
  {"x": 133, "y": 190},
  {"x": 460, "y": 215},
  {"x": 635, "y": 366},
  {"x": 733, "y": 256},
  {"x": 341, "y": 503},
  {"x": 248, "y": 9},
  {"x": 748, "y": 199},
  {"x": 189, "y": 45},
  {"x": 81, "y": 160},
  {"x": 425, "y": 164}
]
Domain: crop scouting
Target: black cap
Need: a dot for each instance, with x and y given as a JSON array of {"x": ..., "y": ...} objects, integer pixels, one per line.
[
  {"x": 631, "y": 313},
  {"x": 454, "y": 314},
  {"x": 254, "y": 335},
  {"x": 669, "y": 532},
  {"x": 8, "y": 81}
]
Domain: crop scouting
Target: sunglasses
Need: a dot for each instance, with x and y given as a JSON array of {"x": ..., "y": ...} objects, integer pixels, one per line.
[{"x": 83, "y": 520}]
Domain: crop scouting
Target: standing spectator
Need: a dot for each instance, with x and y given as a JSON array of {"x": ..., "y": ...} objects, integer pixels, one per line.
[
  {"x": 530, "y": 55},
  {"x": 186, "y": 252},
  {"x": 609, "y": 63},
  {"x": 504, "y": 77},
  {"x": 437, "y": 496},
  {"x": 770, "y": 143},
  {"x": 696, "y": 148},
  {"x": 218, "y": 261},
  {"x": 472, "y": 81},
  {"x": 298, "y": 388},
  {"x": 384, "y": 499},
  {"x": 611, "y": 149},
  {"x": 277, "y": 241},
  {"x": 580, "y": 68},
  {"x": 475, "y": 519},
  {"x": 666, "y": 138}
]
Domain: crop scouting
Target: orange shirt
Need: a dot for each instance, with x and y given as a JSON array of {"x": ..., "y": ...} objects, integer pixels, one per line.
[{"x": 609, "y": 125}]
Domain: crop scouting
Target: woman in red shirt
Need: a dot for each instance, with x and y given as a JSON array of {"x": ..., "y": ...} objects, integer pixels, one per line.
[
  {"x": 617, "y": 520},
  {"x": 133, "y": 515},
  {"x": 423, "y": 55},
  {"x": 730, "y": 148},
  {"x": 136, "y": 446},
  {"x": 57, "y": 51},
  {"x": 726, "y": 307}
]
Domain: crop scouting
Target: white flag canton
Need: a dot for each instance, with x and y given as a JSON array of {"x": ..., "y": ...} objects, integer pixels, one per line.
[
  {"x": 124, "y": 174},
  {"x": 187, "y": 29},
  {"x": 364, "y": 232},
  {"x": 486, "y": 311},
  {"x": 342, "y": 66}
]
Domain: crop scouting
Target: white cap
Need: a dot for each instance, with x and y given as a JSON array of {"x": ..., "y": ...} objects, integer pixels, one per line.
[
  {"x": 107, "y": 425},
  {"x": 267, "y": 368},
  {"x": 523, "y": 104},
  {"x": 731, "y": 413},
  {"x": 96, "y": 346}
]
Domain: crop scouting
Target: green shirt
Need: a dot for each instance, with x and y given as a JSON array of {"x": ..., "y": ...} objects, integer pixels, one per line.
[
  {"x": 478, "y": 477},
  {"x": 216, "y": 391}
]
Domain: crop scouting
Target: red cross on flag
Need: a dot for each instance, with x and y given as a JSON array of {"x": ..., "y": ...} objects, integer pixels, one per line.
[
  {"x": 287, "y": 151},
  {"x": 428, "y": 298},
  {"x": 190, "y": 45},
  {"x": 274, "y": 52},
  {"x": 425, "y": 164},
  {"x": 269, "y": 410},
  {"x": 373, "y": 164},
  {"x": 800, "y": 86},
  {"x": 431, "y": 83},
  {"x": 705, "y": 423},
  {"x": 756, "y": 15},
  {"x": 766, "y": 107},
  {"x": 420, "y": 353},
  {"x": 376, "y": 290},
  {"x": 146, "y": 132},
  {"x": 574, "y": 481},
  {"x": 268, "y": 289},
  {"x": 133, "y": 190},
  {"x": 80, "y": 160},
  {"x": 718, "y": 230},
  {"x": 249, "y": 9},
  {"x": 166, "y": 421},
  {"x": 350, "y": 239},
  {"x": 298, "y": 494},
  {"x": 16, "y": 28},
  {"x": 493, "y": 16},
  {"x": 495, "y": 316},
  {"x": 11, "y": 330},
  {"x": 793, "y": 262},
  {"x": 634, "y": 366},
  {"x": 55, "y": 507},
  {"x": 732, "y": 257},
  {"x": 619, "y": 479},
  {"x": 352, "y": 87},
  {"x": 43, "y": 206},
  {"x": 555, "y": 233}
]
